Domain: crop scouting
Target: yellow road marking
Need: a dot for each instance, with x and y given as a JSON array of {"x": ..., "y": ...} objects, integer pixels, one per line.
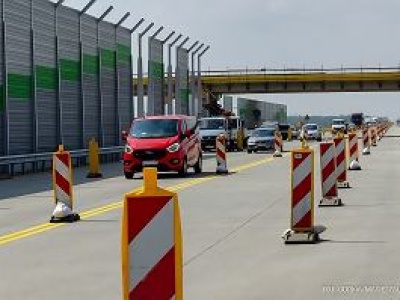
[{"x": 34, "y": 230}]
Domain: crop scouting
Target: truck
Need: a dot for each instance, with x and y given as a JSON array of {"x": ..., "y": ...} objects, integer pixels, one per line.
[
  {"x": 229, "y": 126},
  {"x": 357, "y": 119}
]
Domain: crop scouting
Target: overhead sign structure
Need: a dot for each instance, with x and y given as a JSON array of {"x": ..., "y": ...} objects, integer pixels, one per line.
[
  {"x": 155, "y": 104},
  {"x": 182, "y": 81}
]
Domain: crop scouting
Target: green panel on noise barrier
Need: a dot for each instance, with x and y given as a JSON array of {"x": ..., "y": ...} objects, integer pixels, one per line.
[
  {"x": 184, "y": 95},
  {"x": 156, "y": 69},
  {"x": 70, "y": 70},
  {"x": 108, "y": 58},
  {"x": 46, "y": 78},
  {"x": 124, "y": 54},
  {"x": 19, "y": 86},
  {"x": 90, "y": 64}
]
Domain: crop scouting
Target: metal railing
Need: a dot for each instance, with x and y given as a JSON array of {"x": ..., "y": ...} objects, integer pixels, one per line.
[
  {"x": 277, "y": 71},
  {"x": 42, "y": 161},
  {"x": 286, "y": 71}
]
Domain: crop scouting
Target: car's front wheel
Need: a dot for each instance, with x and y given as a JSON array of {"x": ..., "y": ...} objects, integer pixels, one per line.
[
  {"x": 198, "y": 167},
  {"x": 184, "y": 169},
  {"x": 128, "y": 175}
]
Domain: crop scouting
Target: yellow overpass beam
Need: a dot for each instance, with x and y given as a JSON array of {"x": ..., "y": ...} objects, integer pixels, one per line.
[{"x": 300, "y": 78}]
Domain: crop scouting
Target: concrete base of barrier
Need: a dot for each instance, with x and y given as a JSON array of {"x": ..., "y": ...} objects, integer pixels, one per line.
[
  {"x": 343, "y": 185},
  {"x": 355, "y": 166},
  {"x": 333, "y": 201},
  {"x": 221, "y": 169},
  {"x": 304, "y": 237},
  {"x": 366, "y": 151},
  {"x": 68, "y": 219}
]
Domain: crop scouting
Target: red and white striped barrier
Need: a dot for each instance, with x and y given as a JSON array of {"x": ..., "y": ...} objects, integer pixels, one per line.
[
  {"x": 302, "y": 227},
  {"x": 151, "y": 243},
  {"x": 278, "y": 144},
  {"x": 366, "y": 141},
  {"x": 340, "y": 152},
  {"x": 354, "y": 154},
  {"x": 63, "y": 188},
  {"x": 220, "y": 147},
  {"x": 328, "y": 175},
  {"x": 373, "y": 137}
]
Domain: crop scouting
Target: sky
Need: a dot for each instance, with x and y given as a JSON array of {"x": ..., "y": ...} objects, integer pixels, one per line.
[{"x": 283, "y": 34}]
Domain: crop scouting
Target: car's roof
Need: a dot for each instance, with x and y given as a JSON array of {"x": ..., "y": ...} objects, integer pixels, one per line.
[
  {"x": 265, "y": 128},
  {"x": 168, "y": 117},
  {"x": 312, "y": 124}
]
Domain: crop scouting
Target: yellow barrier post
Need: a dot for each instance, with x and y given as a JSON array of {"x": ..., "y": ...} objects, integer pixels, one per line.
[
  {"x": 289, "y": 135},
  {"x": 94, "y": 161},
  {"x": 151, "y": 243}
]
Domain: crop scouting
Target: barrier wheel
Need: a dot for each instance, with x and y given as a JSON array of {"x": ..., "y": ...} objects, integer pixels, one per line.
[{"x": 128, "y": 175}]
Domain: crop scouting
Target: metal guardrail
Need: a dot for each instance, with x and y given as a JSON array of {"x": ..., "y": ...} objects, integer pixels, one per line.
[{"x": 39, "y": 160}]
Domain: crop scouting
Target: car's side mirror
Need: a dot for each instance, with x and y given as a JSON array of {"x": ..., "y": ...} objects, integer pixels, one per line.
[{"x": 124, "y": 135}]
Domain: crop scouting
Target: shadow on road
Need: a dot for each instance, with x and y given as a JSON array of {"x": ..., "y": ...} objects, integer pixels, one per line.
[
  {"x": 40, "y": 182},
  {"x": 99, "y": 221},
  {"x": 352, "y": 242},
  {"x": 190, "y": 175}
]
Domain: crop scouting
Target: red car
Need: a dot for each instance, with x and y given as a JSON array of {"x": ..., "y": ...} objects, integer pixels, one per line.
[{"x": 170, "y": 143}]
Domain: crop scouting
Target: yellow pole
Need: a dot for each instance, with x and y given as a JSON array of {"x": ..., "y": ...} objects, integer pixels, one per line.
[
  {"x": 289, "y": 135},
  {"x": 150, "y": 180},
  {"x": 94, "y": 162}
]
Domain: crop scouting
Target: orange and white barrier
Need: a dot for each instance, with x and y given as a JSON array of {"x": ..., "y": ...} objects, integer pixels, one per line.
[
  {"x": 278, "y": 144},
  {"x": 221, "y": 154},
  {"x": 63, "y": 188},
  {"x": 340, "y": 152},
  {"x": 354, "y": 164},
  {"x": 328, "y": 175},
  {"x": 366, "y": 141},
  {"x": 302, "y": 227},
  {"x": 151, "y": 244}
]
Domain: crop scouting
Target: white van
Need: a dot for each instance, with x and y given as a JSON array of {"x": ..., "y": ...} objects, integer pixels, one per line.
[{"x": 338, "y": 124}]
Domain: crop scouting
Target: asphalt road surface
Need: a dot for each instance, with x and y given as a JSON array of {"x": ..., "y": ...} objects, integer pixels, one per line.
[{"x": 232, "y": 227}]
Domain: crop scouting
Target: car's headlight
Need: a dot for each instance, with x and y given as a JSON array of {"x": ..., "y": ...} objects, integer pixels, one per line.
[
  {"x": 173, "y": 148},
  {"x": 128, "y": 149}
]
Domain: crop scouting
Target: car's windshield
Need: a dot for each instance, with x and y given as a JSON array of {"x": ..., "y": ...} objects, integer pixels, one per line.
[
  {"x": 311, "y": 127},
  {"x": 263, "y": 133},
  {"x": 338, "y": 122},
  {"x": 233, "y": 123},
  {"x": 212, "y": 124},
  {"x": 145, "y": 129}
]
